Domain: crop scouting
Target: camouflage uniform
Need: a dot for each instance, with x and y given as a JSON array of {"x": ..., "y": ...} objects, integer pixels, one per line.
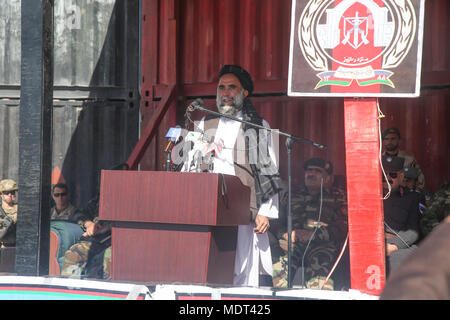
[
  {"x": 438, "y": 210},
  {"x": 8, "y": 216},
  {"x": 90, "y": 257},
  {"x": 327, "y": 242},
  {"x": 65, "y": 214}
]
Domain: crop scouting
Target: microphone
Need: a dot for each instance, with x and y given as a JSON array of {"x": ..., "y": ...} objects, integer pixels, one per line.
[
  {"x": 195, "y": 104},
  {"x": 173, "y": 135},
  {"x": 196, "y": 161},
  {"x": 214, "y": 149}
]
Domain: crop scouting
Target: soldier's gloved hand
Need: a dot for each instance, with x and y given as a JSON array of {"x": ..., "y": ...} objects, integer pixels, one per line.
[{"x": 7, "y": 222}]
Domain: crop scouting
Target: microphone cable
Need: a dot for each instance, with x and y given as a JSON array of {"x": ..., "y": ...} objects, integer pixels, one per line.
[
  {"x": 396, "y": 233},
  {"x": 336, "y": 263},
  {"x": 314, "y": 232},
  {"x": 381, "y": 116},
  {"x": 187, "y": 114}
]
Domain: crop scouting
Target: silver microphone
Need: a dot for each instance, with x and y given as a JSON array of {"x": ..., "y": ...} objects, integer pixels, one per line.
[{"x": 194, "y": 104}]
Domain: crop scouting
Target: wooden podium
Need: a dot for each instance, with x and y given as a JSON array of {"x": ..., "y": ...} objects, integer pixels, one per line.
[{"x": 172, "y": 226}]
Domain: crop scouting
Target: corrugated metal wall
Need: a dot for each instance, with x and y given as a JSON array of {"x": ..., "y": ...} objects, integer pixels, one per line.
[
  {"x": 255, "y": 34},
  {"x": 96, "y": 66}
]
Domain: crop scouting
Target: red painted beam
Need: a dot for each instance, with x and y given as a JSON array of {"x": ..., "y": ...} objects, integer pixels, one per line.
[
  {"x": 364, "y": 195},
  {"x": 151, "y": 128}
]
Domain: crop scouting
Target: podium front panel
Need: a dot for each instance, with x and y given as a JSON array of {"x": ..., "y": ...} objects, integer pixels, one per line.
[
  {"x": 174, "y": 197},
  {"x": 174, "y": 253}
]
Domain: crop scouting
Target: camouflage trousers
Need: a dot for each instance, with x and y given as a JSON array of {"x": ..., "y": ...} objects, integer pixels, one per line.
[
  {"x": 317, "y": 264},
  {"x": 83, "y": 259}
]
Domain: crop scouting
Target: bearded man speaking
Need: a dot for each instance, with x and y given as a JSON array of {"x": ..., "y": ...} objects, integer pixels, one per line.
[{"x": 247, "y": 153}]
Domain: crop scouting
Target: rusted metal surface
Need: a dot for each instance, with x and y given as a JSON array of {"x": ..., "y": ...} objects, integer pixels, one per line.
[
  {"x": 96, "y": 97},
  {"x": 9, "y": 141}
]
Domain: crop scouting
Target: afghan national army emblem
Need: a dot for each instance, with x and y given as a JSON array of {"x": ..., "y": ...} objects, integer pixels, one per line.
[{"x": 355, "y": 43}]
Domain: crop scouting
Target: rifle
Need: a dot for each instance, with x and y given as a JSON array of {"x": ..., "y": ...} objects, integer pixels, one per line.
[{"x": 5, "y": 225}]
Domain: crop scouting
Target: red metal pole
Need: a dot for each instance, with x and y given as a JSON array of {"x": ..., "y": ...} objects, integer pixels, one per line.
[{"x": 364, "y": 195}]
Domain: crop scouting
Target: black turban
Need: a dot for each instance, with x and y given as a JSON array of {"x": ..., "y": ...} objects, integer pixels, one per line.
[{"x": 243, "y": 76}]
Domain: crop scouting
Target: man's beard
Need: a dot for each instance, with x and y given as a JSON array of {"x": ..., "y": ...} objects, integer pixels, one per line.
[
  {"x": 391, "y": 147},
  {"x": 236, "y": 105}
]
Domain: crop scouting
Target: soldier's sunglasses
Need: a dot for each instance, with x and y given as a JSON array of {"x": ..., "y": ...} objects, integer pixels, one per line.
[
  {"x": 9, "y": 192},
  {"x": 62, "y": 194}
]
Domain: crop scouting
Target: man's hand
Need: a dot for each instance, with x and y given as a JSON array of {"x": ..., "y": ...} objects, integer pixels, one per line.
[
  {"x": 90, "y": 228},
  {"x": 262, "y": 224},
  {"x": 93, "y": 228},
  {"x": 390, "y": 248}
]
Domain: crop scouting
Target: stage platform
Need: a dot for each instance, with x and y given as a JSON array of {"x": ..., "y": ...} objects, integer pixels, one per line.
[{"x": 54, "y": 288}]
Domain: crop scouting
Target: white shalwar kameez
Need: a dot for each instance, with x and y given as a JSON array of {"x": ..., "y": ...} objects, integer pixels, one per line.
[{"x": 253, "y": 256}]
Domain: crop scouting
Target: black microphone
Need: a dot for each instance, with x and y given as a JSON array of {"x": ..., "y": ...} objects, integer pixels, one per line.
[{"x": 195, "y": 104}]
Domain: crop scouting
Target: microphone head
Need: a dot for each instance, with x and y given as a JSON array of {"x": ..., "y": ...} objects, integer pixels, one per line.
[
  {"x": 174, "y": 133},
  {"x": 196, "y": 103},
  {"x": 199, "y": 102}
]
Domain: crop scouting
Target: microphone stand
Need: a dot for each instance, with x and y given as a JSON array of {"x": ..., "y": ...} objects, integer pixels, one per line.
[
  {"x": 287, "y": 135},
  {"x": 290, "y": 139}
]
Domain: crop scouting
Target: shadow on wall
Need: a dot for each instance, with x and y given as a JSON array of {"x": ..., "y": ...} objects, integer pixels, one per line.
[{"x": 106, "y": 123}]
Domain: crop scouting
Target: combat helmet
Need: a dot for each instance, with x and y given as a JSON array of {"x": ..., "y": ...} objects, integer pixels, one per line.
[{"x": 8, "y": 185}]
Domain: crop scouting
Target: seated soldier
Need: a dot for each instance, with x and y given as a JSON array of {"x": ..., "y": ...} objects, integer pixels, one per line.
[
  {"x": 8, "y": 213},
  {"x": 391, "y": 147},
  {"x": 401, "y": 215},
  {"x": 91, "y": 255},
  {"x": 66, "y": 220},
  {"x": 63, "y": 209},
  {"x": 319, "y": 229}
]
